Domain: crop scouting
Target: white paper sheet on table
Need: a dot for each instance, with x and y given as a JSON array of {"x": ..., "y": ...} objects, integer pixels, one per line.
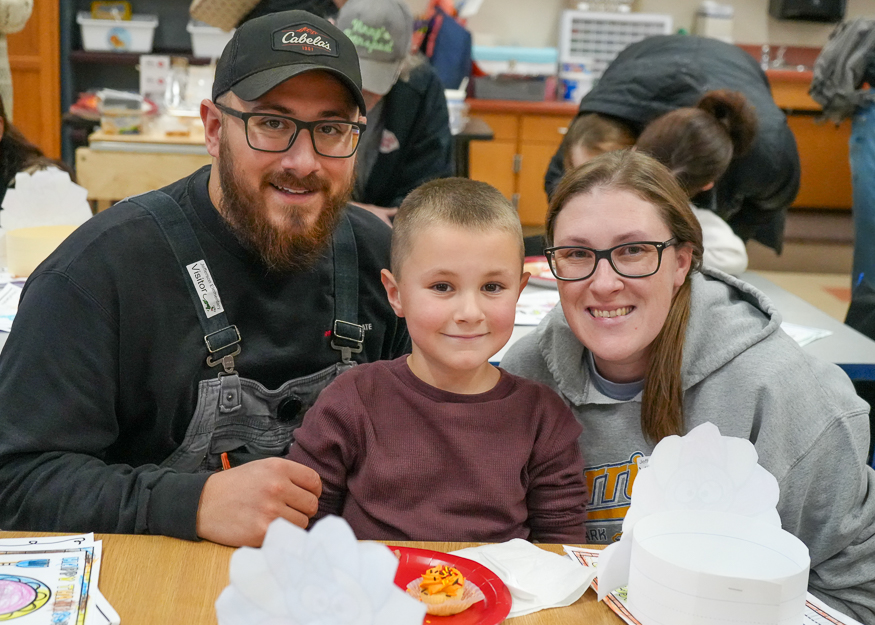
[
  {"x": 533, "y": 305},
  {"x": 9, "y": 296},
  {"x": 537, "y": 579},
  {"x": 816, "y": 611},
  {"x": 803, "y": 334},
  {"x": 322, "y": 575}
]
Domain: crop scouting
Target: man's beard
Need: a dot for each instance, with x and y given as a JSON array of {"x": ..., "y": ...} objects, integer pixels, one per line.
[{"x": 293, "y": 247}]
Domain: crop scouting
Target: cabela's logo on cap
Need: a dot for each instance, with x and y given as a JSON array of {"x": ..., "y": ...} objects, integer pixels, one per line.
[{"x": 304, "y": 39}]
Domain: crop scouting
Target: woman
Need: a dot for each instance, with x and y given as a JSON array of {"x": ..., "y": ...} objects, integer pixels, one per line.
[
  {"x": 697, "y": 144},
  {"x": 647, "y": 344}
]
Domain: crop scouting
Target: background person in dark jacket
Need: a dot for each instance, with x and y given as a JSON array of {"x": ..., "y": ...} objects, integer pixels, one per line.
[
  {"x": 660, "y": 74},
  {"x": 408, "y": 140}
]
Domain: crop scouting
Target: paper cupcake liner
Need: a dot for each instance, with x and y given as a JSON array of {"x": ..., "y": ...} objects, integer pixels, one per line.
[{"x": 470, "y": 595}]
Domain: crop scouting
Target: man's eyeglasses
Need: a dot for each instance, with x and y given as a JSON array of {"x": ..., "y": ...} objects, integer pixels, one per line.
[
  {"x": 631, "y": 260},
  {"x": 277, "y": 133}
]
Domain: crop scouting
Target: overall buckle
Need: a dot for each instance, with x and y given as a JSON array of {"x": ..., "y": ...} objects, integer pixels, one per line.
[
  {"x": 223, "y": 339},
  {"x": 346, "y": 331}
]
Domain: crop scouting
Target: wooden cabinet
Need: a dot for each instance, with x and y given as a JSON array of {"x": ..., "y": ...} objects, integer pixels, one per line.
[
  {"x": 823, "y": 146},
  {"x": 33, "y": 59},
  {"x": 526, "y": 136},
  {"x": 494, "y": 161},
  {"x": 823, "y": 155}
]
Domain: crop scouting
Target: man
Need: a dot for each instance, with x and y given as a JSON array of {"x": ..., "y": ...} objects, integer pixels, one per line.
[
  {"x": 408, "y": 140},
  {"x": 660, "y": 74},
  {"x": 188, "y": 330}
]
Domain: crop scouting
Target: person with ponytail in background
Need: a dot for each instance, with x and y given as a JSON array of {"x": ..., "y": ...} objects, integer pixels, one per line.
[
  {"x": 698, "y": 144},
  {"x": 647, "y": 343},
  {"x": 664, "y": 72}
]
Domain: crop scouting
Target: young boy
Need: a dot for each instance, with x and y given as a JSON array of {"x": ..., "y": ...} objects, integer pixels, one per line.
[{"x": 440, "y": 444}]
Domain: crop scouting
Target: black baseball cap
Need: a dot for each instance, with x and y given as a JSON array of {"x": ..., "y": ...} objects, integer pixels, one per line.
[{"x": 269, "y": 50}]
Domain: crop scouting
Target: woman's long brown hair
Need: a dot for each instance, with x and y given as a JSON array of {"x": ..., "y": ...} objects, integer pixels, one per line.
[
  {"x": 17, "y": 154},
  {"x": 662, "y": 407}
]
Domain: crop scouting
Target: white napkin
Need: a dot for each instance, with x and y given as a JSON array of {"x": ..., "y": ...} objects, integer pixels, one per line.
[
  {"x": 537, "y": 579},
  {"x": 315, "y": 578}
]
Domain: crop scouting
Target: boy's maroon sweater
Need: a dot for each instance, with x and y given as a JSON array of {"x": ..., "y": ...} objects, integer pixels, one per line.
[{"x": 402, "y": 460}]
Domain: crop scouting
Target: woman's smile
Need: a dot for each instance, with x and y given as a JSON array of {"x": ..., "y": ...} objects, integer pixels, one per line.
[{"x": 610, "y": 313}]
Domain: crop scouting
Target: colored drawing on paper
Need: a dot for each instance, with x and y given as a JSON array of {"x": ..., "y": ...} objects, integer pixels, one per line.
[
  {"x": 74, "y": 571},
  {"x": 19, "y": 596}
]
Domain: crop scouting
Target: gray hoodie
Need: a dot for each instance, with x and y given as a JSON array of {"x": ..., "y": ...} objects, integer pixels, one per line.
[{"x": 745, "y": 375}]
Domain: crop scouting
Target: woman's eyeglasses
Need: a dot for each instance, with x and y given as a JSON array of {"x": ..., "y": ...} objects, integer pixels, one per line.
[
  {"x": 277, "y": 133},
  {"x": 638, "y": 259}
]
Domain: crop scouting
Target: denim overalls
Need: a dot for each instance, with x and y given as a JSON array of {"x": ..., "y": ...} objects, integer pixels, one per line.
[{"x": 235, "y": 415}]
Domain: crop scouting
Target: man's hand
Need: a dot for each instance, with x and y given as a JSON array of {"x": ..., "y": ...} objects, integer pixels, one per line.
[
  {"x": 237, "y": 505},
  {"x": 386, "y": 214}
]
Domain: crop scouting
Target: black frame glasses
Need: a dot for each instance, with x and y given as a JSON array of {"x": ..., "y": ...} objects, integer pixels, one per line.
[
  {"x": 299, "y": 126},
  {"x": 550, "y": 253}
]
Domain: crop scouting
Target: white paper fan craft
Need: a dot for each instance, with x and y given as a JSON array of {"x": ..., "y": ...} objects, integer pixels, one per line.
[
  {"x": 46, "y": 197},
  {"x": 321, "y": 577}
]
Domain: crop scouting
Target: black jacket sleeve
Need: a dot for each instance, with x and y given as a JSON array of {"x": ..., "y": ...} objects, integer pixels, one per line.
[
  {"x": 416, "y": 113},
  {"x": 59, "y": 418}
]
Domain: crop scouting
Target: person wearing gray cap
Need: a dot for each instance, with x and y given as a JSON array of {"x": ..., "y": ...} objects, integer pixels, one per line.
[
  {"x": 163, "y": 356},
  {"x": 408, "y": 140}
]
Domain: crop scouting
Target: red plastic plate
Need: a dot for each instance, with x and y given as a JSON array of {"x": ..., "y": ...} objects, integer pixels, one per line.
[{"x": 491, "y": 611}]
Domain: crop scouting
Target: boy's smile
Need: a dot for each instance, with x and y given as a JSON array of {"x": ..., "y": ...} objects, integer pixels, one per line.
[{"x": 457, "y": 290}]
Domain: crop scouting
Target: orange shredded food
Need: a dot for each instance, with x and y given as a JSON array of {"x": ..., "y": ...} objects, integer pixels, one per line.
[{"x": 442, "y": 579}]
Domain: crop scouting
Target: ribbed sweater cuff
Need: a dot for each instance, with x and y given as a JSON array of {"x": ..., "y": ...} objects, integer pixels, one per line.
[{"x": 174, "y": 503}]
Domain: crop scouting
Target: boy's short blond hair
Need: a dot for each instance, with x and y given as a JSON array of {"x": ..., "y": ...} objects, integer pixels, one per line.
[{"x": 457, "y": 202}]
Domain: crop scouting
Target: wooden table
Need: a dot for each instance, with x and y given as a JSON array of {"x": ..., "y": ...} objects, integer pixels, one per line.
[
  {"x": 154, "y": 579},
  {"x": 114, "y": 167}
]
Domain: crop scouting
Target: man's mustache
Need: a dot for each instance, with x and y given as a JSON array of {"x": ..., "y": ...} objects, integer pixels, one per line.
[{"x": 310, "y": 182}]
